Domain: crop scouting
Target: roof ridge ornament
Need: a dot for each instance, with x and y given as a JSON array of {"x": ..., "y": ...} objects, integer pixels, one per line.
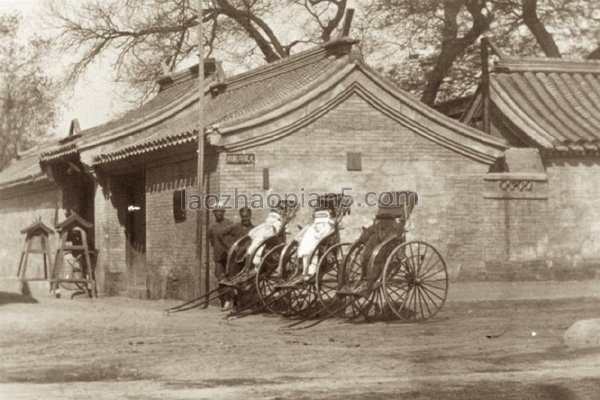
[
  {"x": 340, "y": 46},
  {"x": 167, "y": 74},
  {"x": 74, "y": 132},
  {"x": 213, "y": 135},
  {"x": 347, "y": 22}
]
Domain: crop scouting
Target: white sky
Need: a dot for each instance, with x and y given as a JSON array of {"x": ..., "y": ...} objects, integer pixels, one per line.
[
  {"x": 96, "y": 97},
  {"x": 93, "y": 100}
]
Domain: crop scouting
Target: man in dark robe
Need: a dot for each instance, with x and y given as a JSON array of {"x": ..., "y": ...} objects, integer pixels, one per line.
[{"x": 221, "y": 241}]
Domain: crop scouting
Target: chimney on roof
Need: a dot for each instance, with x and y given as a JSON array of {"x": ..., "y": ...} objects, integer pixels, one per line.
[
  {"x": 220, "y": 72},
  {"x": 218, "y": 86},
  {"x": 74, "y": 129},
  {"x": 210, "y": 67},
  {"x": 74, "y": 132}
]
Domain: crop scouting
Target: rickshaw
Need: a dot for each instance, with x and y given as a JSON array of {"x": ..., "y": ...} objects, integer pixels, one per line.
[
  {"x": 289, "y": 287},
  {"x": 258, "y": 247},
  {"x": 384, "y": 276},
  {"x": 245, "y": 256}
]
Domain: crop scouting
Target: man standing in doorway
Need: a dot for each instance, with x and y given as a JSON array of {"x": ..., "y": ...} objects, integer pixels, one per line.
[{"x": 220, "y": 240}]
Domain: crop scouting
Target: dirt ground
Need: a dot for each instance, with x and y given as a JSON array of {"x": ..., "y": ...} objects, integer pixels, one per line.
[{"x": 119, "y": 348}]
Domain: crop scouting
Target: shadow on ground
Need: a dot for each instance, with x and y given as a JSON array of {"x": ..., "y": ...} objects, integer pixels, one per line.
[
  {"x": 73, "y": 373},
  {"x": 10, "y": 298}
]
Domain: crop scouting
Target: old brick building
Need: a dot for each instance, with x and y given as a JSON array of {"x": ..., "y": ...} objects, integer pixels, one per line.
[
  {"x": 549, "y": 109},
  {"x": 320, "y": 121}
]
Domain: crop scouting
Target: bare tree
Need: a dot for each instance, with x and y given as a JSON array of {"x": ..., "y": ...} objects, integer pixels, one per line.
[
  {"x": 139, "y": 35},
  {"x": 442, "y": 37},
  {"x": 28, "y": 99},
  {"x": 453, "y": 44},
  {"x": 537, "y": 28}
]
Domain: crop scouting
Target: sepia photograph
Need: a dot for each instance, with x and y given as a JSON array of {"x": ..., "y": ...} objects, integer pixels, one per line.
[{"x": 299, "y": 199}]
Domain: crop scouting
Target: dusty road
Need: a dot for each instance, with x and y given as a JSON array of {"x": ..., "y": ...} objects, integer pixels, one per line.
[{"x": 117, "y": 348}]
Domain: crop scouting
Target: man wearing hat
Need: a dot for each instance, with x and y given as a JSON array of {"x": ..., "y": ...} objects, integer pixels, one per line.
[
  {"x": 220, "y": 241},
  {"x": 242, "y": 228}
]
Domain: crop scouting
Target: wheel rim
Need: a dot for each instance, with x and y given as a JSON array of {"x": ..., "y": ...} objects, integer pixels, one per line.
[
  {"x": 301, "y": 300},
  {"x": 266, "y": 279},
  {"x": 236, "y": 258},
  {"x": 415, "y": 281},
  {"x": 327, "y": 283},
  {"x": 287, "y": 269},
  {"x": 377, "y": 260},
  {"x": 353, "y": 276}
]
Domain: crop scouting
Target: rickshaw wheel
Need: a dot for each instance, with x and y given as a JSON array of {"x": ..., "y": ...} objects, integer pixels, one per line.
[
  {"x": 284, "y": 272},
  {"x": 352, "y": 277},
  {"x": 236, "y": 257},
  {"x": 266, "y": 279},
  {"x": 302, "y": 299},
  {"x": 328, "y": 270},
  {"x": 377, "y": 306},
  {"x": 415, "y": 281}
]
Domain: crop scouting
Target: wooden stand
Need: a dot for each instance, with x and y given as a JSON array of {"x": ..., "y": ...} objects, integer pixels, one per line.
[
  {"x": 73, "y": 240},
  {"x": 40, "y": 233}
]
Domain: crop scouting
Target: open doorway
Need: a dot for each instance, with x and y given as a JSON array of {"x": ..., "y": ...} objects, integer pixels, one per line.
[{"x": 132, "y": 190}]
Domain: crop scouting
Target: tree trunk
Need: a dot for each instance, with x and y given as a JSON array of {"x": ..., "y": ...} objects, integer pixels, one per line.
[
  {"x": 450, "y": 52},
  {"x": 537, "y": 28},
  {"x": 452, "y": 45},
  {"x": 594, "y": 55}
]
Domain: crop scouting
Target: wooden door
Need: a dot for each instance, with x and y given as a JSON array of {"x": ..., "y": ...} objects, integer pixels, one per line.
[{"x": 135, "y": 231}]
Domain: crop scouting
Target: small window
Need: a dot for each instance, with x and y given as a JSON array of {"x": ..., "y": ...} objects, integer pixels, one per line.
[
  {"x": 266, "y": 183},
  {"x": 179, "y": 206},
  {"x": 354, "y": 161}
]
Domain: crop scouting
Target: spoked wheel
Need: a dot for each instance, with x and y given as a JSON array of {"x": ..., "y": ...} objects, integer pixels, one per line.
[
  {"x": 236, "y": 257},
  {"x": 415, "y": 281},
  {"x": 245, "y": 281},
  {"x": 303, "y": 300},
  {"x": 303, "y": 297},
  {"x": 377, "y": 306},
  {"x": 285, "y": 270},
  {"x": 353, "y": 278},
  {"x": 267, "y": 277},
  {"x": 328, "y": 270}
]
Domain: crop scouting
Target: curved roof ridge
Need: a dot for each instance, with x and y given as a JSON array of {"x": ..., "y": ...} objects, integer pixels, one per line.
[
  {"x": 448, "y": 122},
  {"x": 510, "y": 64},
  {"x": 179, "y": 137},
  {"x": 292, "y": 59}
]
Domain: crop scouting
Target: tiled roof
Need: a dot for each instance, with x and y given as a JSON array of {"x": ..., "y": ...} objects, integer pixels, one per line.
[
  {"x": 164, "y": 101},
  {"x": 554, "y": 102},
  {"x": 235, "y": 99},
  {"x": 26, "y": 169},
  {"x": 170, "y": 118}
]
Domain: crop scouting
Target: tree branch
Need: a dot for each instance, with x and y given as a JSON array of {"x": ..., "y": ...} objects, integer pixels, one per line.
[
  {"x": 537, "y": 28},
  {"x": 452, "y": 45}
]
